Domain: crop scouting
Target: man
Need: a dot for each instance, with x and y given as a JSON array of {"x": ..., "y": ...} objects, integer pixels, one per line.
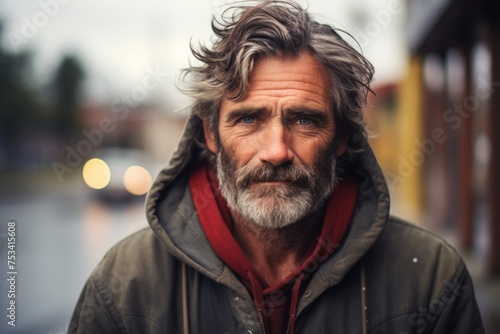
[{"x": 272, "y": 216}]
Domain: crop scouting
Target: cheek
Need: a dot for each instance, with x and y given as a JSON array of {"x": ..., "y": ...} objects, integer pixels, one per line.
[
  {"x": 307, "y": 149},
  {"x": 241, "y": 150}
]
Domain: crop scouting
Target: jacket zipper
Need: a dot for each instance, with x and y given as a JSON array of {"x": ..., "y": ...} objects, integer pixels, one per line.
[
  {"x": 289, "y": 325},
  {"x": 261, "y": 319},
  {"x": 364, "y": 317}
]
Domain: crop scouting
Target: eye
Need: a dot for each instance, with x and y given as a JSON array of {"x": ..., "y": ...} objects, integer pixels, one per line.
[
  {"x": 247, "y": 120},
  {"x": 304, "y": 121}
]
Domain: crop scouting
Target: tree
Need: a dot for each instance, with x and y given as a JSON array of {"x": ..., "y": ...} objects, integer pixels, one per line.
[
  {"x": 18, "y": 106},
  {"x": 67, "y": 87}
]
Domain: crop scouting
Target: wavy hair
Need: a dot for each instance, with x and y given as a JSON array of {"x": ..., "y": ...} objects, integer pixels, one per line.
[{"x": 277, "y": 29}]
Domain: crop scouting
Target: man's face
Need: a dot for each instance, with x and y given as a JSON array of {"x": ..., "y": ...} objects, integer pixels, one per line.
[{"x": 275, "y": 152}]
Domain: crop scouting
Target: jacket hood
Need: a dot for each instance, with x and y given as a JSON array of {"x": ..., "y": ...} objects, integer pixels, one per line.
[{"x": 172, "y": 217}]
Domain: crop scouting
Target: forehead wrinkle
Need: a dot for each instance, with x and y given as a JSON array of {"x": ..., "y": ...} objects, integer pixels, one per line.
[
  {"x": 299, "y": 80},
  {"x": 267, "y": 72},
  {"x": 293, "y": 104},
  {"x": 289, "y": 85},
  {"x": 282, "y": 91},
  {"x": 285, "y": 87},
  {"x": 293, "y": 94}
]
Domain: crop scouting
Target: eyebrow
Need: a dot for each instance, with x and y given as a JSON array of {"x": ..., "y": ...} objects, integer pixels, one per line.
[
  {"x": 236, "y": 114},
  {"x": 319, "y": 116}
]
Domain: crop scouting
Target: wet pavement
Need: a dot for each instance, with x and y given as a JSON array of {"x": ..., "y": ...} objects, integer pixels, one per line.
[{"x": 60, "y": 238}]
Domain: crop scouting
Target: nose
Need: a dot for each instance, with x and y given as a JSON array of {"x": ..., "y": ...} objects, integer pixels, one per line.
[{"x": 276, "y": 148}]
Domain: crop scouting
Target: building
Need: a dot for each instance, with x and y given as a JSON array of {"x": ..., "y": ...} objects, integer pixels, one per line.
[{"x": 454, "y": 70}]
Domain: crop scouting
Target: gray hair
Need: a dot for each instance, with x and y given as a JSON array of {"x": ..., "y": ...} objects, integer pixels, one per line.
[{"x": 278, "y": 29}]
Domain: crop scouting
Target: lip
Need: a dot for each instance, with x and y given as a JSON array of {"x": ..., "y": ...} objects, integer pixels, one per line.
[{"x": 271, "y": 183}]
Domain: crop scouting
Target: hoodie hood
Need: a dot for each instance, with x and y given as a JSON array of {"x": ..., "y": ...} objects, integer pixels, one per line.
[{"x": 171, "y": 215}]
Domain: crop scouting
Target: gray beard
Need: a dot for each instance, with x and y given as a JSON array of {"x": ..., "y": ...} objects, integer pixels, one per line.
[{"x": 276, "y": 206}]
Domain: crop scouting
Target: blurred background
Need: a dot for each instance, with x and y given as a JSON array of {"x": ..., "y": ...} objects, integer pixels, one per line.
[{"x": 90, "y": 112}]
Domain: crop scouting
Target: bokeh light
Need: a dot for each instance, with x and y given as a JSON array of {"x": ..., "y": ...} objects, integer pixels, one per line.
[
  {"x": 96, "y": 173},
  {"x": 137, "y": 180}
]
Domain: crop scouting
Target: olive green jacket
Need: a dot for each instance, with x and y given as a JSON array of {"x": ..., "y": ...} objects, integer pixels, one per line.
[{"x": 387, "y": 276}]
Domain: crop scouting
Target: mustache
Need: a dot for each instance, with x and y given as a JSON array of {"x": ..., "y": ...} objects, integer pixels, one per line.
[{"x": 299, "y": 176}]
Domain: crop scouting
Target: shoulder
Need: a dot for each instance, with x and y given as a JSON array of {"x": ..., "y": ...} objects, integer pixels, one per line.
[
  {"x": 139, "y": 265},
  {"x": 410, "y": 263},
  {"x": 131, "y": 249},
  {"x": 134, "y": 274},
  {"x": 407, "y": 249},
  {"x": 134, "y": 257},
  {"x": 415, "y": 277},
  {"x": 414, "y": 243},
  {"x": 128, "y": 289}
]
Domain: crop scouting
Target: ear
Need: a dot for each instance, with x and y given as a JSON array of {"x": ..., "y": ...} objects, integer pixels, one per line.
[
  {"x": 342, "y": 144},
  {"x": 209, "y": 137}
]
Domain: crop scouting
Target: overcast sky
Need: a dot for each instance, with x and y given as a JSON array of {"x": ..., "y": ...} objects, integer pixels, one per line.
[{"x": 118, "y": 40}]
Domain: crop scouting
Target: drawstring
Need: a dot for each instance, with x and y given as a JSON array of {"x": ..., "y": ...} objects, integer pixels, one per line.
[
  {"x": 293, "y": 304},
  {"x": 364, "y": 317},
  {"x": 185, "y": 314},
  {"x": 258, "y": 298}
]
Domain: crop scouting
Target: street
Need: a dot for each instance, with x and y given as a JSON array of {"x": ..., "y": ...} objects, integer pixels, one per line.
[{"x": 59, "y": 239}]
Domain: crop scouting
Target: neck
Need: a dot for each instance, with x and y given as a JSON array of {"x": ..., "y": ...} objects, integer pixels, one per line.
[{"x": 276, "y": 253}]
